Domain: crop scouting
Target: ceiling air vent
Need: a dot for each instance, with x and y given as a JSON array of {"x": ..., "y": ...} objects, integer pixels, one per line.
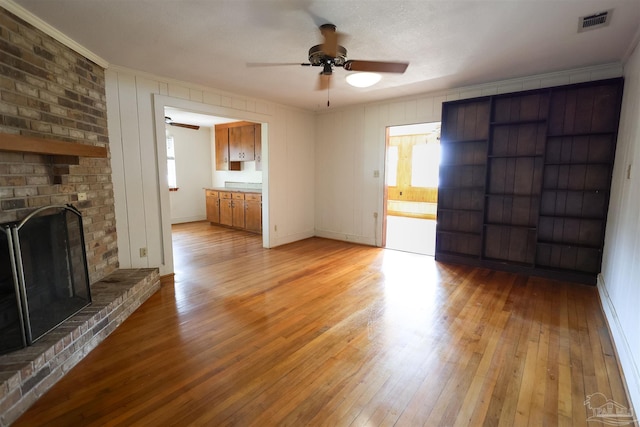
[{"x": 597, "y": 20}]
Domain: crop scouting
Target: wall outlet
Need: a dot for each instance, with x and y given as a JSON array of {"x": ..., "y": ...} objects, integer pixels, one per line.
[
  {"x": 82, "y": 197},
  {"x": 376, "y": 174},
  {"x": 375, "y": 214},
  {"x": 143, "y": 252}
]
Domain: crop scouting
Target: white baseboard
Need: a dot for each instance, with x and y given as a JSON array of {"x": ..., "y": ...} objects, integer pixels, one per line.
[
  {"x": 187, "y": 219},
  {"x": 279, "y": 240},
  {"x": 346, "y": 237},
  {"x": 626, "y": 358}
]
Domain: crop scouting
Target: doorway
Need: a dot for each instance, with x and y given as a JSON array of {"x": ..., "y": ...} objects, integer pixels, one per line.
[{"x": 411, "y": 187}]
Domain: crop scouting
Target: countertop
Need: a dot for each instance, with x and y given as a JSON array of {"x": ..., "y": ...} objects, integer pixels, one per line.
[{"x": 236, "y": 190}]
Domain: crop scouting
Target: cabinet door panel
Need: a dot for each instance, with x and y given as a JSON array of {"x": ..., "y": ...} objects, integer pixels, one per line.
[
  {"x": 242, "y": 143},
  {"x": 253, "y": 216},
  {"x": 213, "y": 207},
  {"x": 237, "y": 207}
]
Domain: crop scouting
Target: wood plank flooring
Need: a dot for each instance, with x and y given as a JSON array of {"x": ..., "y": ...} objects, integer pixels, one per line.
[{"x": 328, "y": 333}]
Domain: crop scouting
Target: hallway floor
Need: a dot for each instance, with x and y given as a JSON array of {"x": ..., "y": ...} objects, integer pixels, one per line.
[{"x": 411, "y": 235}]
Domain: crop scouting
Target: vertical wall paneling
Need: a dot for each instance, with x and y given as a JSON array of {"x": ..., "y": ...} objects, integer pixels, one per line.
[
  {"x": 153, "y": 215},
  {"x": 618, "y": 283},
  {"x": 118, "y": 169},
  {"x": 134, "y": 191}
]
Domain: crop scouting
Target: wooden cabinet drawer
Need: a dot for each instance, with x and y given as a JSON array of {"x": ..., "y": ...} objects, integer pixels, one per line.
[
  {"x": 238, "y": 196},
  {"x": 225, "y": 195},
  {"x": 212, "y": 193},
  {"x": 253, "y": 197}
]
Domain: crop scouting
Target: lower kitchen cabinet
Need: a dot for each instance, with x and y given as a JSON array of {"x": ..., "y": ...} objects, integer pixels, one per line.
[
  {"x": 234, "y": 209},
  {"x": 253, "y": 212},
  {"x": 212, "y": 199},
  {"x": 226, "y": 209},
  {"x": 237, "y": 210}
]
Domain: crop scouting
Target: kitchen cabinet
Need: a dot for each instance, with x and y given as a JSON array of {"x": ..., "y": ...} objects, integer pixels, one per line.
[
  {"x": 253, "y": 212},
  {"x": 212, "y": 199},
  {"x": 226, "y": 208},
  {"x": 242, "y": 143},
  {"x": 238, "y": 142},
  {"x": 525, "y": 179},
  {"x": 241, "y": 210},
  {"x": 237, "y": 210},
  {"x": 222, "y": 151}
]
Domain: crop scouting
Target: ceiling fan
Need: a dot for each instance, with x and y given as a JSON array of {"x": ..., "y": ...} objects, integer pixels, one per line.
[
  {"x": 331, "y": 54},
  {"x": 168, "y": 121}
]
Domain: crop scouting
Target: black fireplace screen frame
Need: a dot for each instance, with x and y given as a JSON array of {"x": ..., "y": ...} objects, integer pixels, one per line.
[{"x": 48, "y": 261}]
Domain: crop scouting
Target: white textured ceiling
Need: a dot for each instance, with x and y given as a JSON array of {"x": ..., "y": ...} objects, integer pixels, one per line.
[{"x": 448, "y": 43}]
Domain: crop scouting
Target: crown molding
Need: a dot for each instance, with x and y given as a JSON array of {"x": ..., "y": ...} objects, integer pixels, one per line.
[{"x": 29, "y": 17}]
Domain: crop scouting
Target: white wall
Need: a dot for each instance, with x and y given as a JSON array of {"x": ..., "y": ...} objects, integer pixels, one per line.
[
  {"x": 135, "y": 107},
  {"x": 351, "y": 146},
  {"x": 619, "y": 284},
  {"x": 193, "y": 173}
]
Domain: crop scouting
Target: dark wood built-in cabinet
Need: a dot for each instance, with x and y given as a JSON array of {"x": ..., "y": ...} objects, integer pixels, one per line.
[{"x": 525, "y": 179}]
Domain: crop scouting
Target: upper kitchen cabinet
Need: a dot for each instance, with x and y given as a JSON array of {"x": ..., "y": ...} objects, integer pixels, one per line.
[
  {"x": 222, "y": 151},
  {"x": 243, "y": 141}
]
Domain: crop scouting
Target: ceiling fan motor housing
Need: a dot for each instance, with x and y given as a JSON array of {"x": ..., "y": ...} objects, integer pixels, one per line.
[{"x": 317, "y": 57}]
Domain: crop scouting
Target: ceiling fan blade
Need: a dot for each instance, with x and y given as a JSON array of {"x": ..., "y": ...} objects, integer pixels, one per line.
[
  {"x": 376, "y": 66},
  {"x": 273, "y": 64},
  {"x": 184, "y": 125},
  {"x": 324, "y": 82}
]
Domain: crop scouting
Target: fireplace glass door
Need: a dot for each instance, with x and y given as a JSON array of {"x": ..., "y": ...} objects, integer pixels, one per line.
[{"x": 48, "y": 280}]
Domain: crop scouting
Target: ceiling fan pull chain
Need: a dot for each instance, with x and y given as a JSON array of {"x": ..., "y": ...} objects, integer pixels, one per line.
[{"x": 328, "y": 97}]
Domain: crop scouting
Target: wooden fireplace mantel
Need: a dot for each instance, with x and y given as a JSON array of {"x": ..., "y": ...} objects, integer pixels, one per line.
[{"x": 30, "y": 144}]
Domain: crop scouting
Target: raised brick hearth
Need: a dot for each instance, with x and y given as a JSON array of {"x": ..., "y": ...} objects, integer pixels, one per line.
[{"x": 27, "y": 374}]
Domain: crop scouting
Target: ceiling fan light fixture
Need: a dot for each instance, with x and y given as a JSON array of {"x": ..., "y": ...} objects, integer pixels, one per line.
[{"x": 364, "y": 79}]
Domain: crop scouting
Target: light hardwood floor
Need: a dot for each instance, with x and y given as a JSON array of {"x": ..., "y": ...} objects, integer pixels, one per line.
[{"x": 328, "y": 333}]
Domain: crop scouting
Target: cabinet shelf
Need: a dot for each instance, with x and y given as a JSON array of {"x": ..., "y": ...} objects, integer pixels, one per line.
[
  {"x": 505, "y": 225},
  {"x": 517, "y": 122},
  {"x": 577, "y": 164},
  {"x": 567, "y": 135},
  {"x": 529, "y": 196},
  {"x": 506, "y": 261},
  {"x": 462, "y": 188},
  {"x": 461, "y": 141},
  {"x": 460, "y": 233},
  {"x": 460, "y": 210},
  {"x": 578, "y": 217},
  {"x": 510, "y": 156},
  {"x": 569, "y": 245},
  {"x": 458, "y": 165}
]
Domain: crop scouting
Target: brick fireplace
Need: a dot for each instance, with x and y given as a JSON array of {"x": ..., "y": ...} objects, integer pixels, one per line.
[{"x": 48, "y": 92}]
